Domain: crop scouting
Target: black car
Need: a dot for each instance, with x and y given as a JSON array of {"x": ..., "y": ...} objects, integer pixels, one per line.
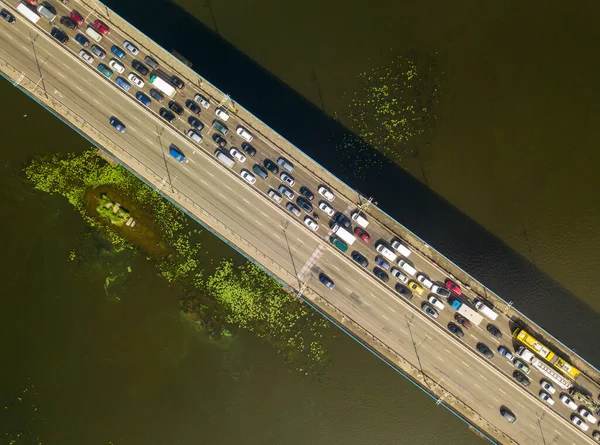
[
  {"x": 219, "y": 140},
  {"x": 68, "y": 22},
  {"x": 494, "y": 331},
  {"x": 260, "y": 171},
  {"x": 177, "y": 82},
  {"x": 403, "y": 291},
  {"x": 166, "y": 115},
  {"x": 82, "y": 40},
  {"x": 456, "y": 330},
  {"x": 359, "y": 258},
  {"x": 342, "y": 220},
  {"x": 140, "y": 67},
  {"x": 249, "y": 149},
  {"x": 7, "y": 16},
  {"x": 520, "y": 377},
  {"x": 151, "y": 62},
  {"x": 156, "y": 95},
  {"x": 195, "y": 122},
  {"x": 271, "y": 166},
  {"x": 176, "y": 107},
  {"x": 305, "y": 191},
  {"x": 379, "y": 273},
  {"x": 485, "y": 350},
  {"x": 192, "y": 106},
  {"x": 59, "y": 35},
  {"x": 462, "y": 320},
  {"x": 304, "y": 204}
]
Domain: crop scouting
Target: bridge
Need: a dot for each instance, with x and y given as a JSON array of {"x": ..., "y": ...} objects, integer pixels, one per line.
[{"x": 393, "y": 327}]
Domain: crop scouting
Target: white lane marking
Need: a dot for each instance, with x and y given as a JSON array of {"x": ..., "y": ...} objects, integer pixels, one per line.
[
  {"x": 259, "y": 223},
  {"x": 496, "y": 399},
  {"x": 458, "y": 370},
  {"x": 222, "y": 195},
  {"x": 211, "y": 174},
  {"x": 9, "y": 36},
  {"x": 149, "y": 141},
  {"x": 465, "y": 364},
  {"x": 96, "y": 101},
  {"x": 502, "y": 391},
  {"x": 27, "y": 49},
  {"x": 137, "y": 119},
  {"x": 473, "y": 336},
  {"x": 227, "y": 187},
  {"x": 371, "y": 293},
  {"x": 447, "y": 350},
  {"x": 61, "y": 75},
  {"x": 385, "y": 317},
  {"x": 335, "y": 267},
  {"x": 264, "y": 214},
  {"x": 484, "y": 378},
  {"x": 203, "y": 182},
  {"x": 521, "y": 405},
  {"x": 367, "y": 304},
  {"x": 132, "y": 129},
  {"x": 276, "y": 236},
  {"x": 78, "y": 88},
  {"x": 316, "y": 254},
  {"x": 348, "y": 289},
  {"x": 391, "y": 309},
  {"x": 476, "y": 385},
  {"x": 245, "y": 200},
  {"x": 299, "y": 240},
  {"x": 440, "y": 357}
]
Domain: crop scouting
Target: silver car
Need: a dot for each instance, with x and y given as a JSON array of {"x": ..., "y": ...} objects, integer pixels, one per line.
[
  {"x": 131, "y": 47},
  {"x": 202, "y": 101},
  {"x": 86, "y": 56}
]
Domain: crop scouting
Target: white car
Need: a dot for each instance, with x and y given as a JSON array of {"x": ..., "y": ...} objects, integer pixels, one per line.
[
  {"x": 424, "y": 281},
  {"x": 547, "y": 386},
  {"x": 399, "y": 275},
  {"x": 131, "y": 47},
  {"x": 586, "y": 415},
  {"x": 326, "y": 209},
  {"x": 236, "y": 154},
  {"x": 288, "y": 179},
  {"x": 568, "y": 401},
  {"x": 325, "y": 193},
  {"x": 202, "y": 101},
  {"x": 311, "y": 223},
  {"x": 135, "y": 79},
  {"x": 115, "y": 65},
  {"x": 86, "y": 56},
  {"x": 222, "y": 114},
  {"x": 437, "y": 303},
  {"x": 576, "y": 420},
  {"x": 441, "y": 291},
  {"x": 249, "y": 177},
  {"x": 194, "y": 136},
  {"x": 546, "y": 397},
  {"x": 244, "y": 134},
  {"x": 274, "y": 196}
]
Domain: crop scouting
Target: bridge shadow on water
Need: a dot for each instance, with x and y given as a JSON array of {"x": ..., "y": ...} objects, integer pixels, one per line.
[{"x": 421, "y": 210}]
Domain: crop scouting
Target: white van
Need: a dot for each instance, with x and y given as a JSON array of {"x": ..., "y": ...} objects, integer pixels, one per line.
[
  {"x": 360, "y": 219},
  {"x": 485, "y": 310},
  {"x": 95, "y": 35},
  {"x": 408, "y": 268},
  {"x": 398, "y": 246},
  {"x": 224, "y": 159},
  {"x": 386, "y": 252},
  {"x": 47, "y": 13}
]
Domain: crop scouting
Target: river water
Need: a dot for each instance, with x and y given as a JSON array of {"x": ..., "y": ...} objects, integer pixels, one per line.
[{"x": 514, "y": 150}]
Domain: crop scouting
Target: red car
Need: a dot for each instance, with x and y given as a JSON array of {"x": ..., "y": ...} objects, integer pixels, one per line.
[
  {"x": 76, "y": 18},
  {"x": 101, "y": 27},
  {"x": 32, "y": 2},
  {"x": 452, "y": 287},
  {"x": 362, "y": 235}
]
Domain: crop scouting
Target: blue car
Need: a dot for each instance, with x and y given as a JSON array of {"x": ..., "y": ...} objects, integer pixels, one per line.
[
  {"x": 82, "y": 40},
  {"x": 176, "y": 153},
  {"x": 383, "y": 263},
  {"x": 118, "y": 52},
  {"x": 117, "y": 124},
  {"x": 123, "y": 83},
  {"x": 328, "y": 282},
  {"x": 143, "y": 98}
]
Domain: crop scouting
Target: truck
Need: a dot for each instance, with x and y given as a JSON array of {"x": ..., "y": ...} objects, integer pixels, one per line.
[
  {"x": 25, "y": 10},
  {"x": 162, "y": 82},
  {"x": 465, "y": 311},
  {"x": 343, "y": 234},
  {"x": 543, "y": 368},
  {"x": 485, "y": 310}
]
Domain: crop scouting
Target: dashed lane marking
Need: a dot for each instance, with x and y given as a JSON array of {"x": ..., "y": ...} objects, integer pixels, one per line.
[
  {"x": 96, "y": 101},
  {"x": 476, "y": 385},
  {"x": 76, "y": 86},
  {"x": 465, "y": 364},
  {"x": 366, "y": 304},
  {"x": 203, "y": 182},
  {"x": 221, "y": 195},
  {"x": 502, "y": 391},
  {"x": 264, "y": 214},
  {"x": 440, "y": 357},
  {"x": 61, "y": 75},
  {"x": 484, "y": 378},
  {"x": 391, "y": 309},
  {"x": 385, "y": 317},
  {"x": 245, "y": 200}
]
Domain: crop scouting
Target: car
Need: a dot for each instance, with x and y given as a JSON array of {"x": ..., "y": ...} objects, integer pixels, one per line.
[
  {"x": 342, "y": 220},
  {"x": 311, "y": 223},
  {"x": 82, "y": 40},
  {"x": 131, "y": 47},
  {"x": 403, "y": 291},
  {"x": 481, "y": 347},
  {"x": 456, "y": 330},
  {"x": 237, "y": 155},
  {"x": 328, "y": 282},
  {"x": 415, "y": 287},
  {"x": 176, "y": 153},
  {"x": 578, "y": 421},
  {"x": 381, "y": 262},
  {"x": 174, "y": 106},
  {"x": 191, "y": 105},
  {"x": 86, "y": 56},
  {"x": 115, "y": 65},
  {"x": 586, "y": 415},
  {"x": 260, "y": 171},
  {"x": 59, "y": 35},
  {"x": 101, "y": 27},
  {"x": 363, "y": 235},
  {"x": 462, "y": 320},
  {"x": 568, "y": 401},
  {"x": 222, "y": 114},
  {"x": 522, "y": 366},
  {"x": 105, "y": 70},
  {"x": 286, "y": 191},
  {"x": 547, "y": 386},
  {"x": 7, "y": 16},
  {"x": 244, "y": 133},
  {"x": 220, "y": 127},
  {"x": 166, "y": 115},
  {"x": 195, "y": 122},
  {"x": 519, "y": 377},
  {"x": 426, "y": 282},
  {"x": 156, "y": 95},
  {"x": 249, "y": 177},
  {"x": 435, "y": 302},
  {"x": 508, "y": 414},
  {"x": 304, "y": 204},
  {"x": 504, "y": 352},
  {"x": 194, "y": 136},
  {"x": 151, "y": 62},
  {"x": 359, "y": 258},
  {"x": 379, "y": 273},
  {"x": 305, "y": 191},
  {"x": 136, "y": 80},
  {"x": 546, "y": 397},
  {"x": 292, "y": 208},
  {"x": 274, "y": 196},
  {"x": 452, "y": 287},
  {"x": 271, "y": 166},
  {"x": 338, "y": 243},
  {"x": 202, "y": 101},
  {"x": 119, "y": 126},
  {"x": 123, "y": 83},
  {"x": 326, "y": 193},
  {"x": 177, "y": 82},
  {"x": 117, "y": 52},
  {"x": 399, "y": 275},
  {"x": 438, "y": 290},
  {"x": 219, "y": 140},
  {"x": 325, "y": 208},
  {"x": 97, "y": 51},
  {"x": 429, "y": 310},
  {"x": 68, "y": 22},
  {"x": 77, "y": 18},
  {"x": 596, "y": 435},
  {"x": 287, "y": 178},
  {"x": 494, "y": 330},
  {"x": 249, "y": 149},
  {"x": 140, "y": 67}
]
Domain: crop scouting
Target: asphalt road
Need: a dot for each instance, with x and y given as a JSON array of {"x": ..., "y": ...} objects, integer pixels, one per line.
[{"x": 483, "y": 384}]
